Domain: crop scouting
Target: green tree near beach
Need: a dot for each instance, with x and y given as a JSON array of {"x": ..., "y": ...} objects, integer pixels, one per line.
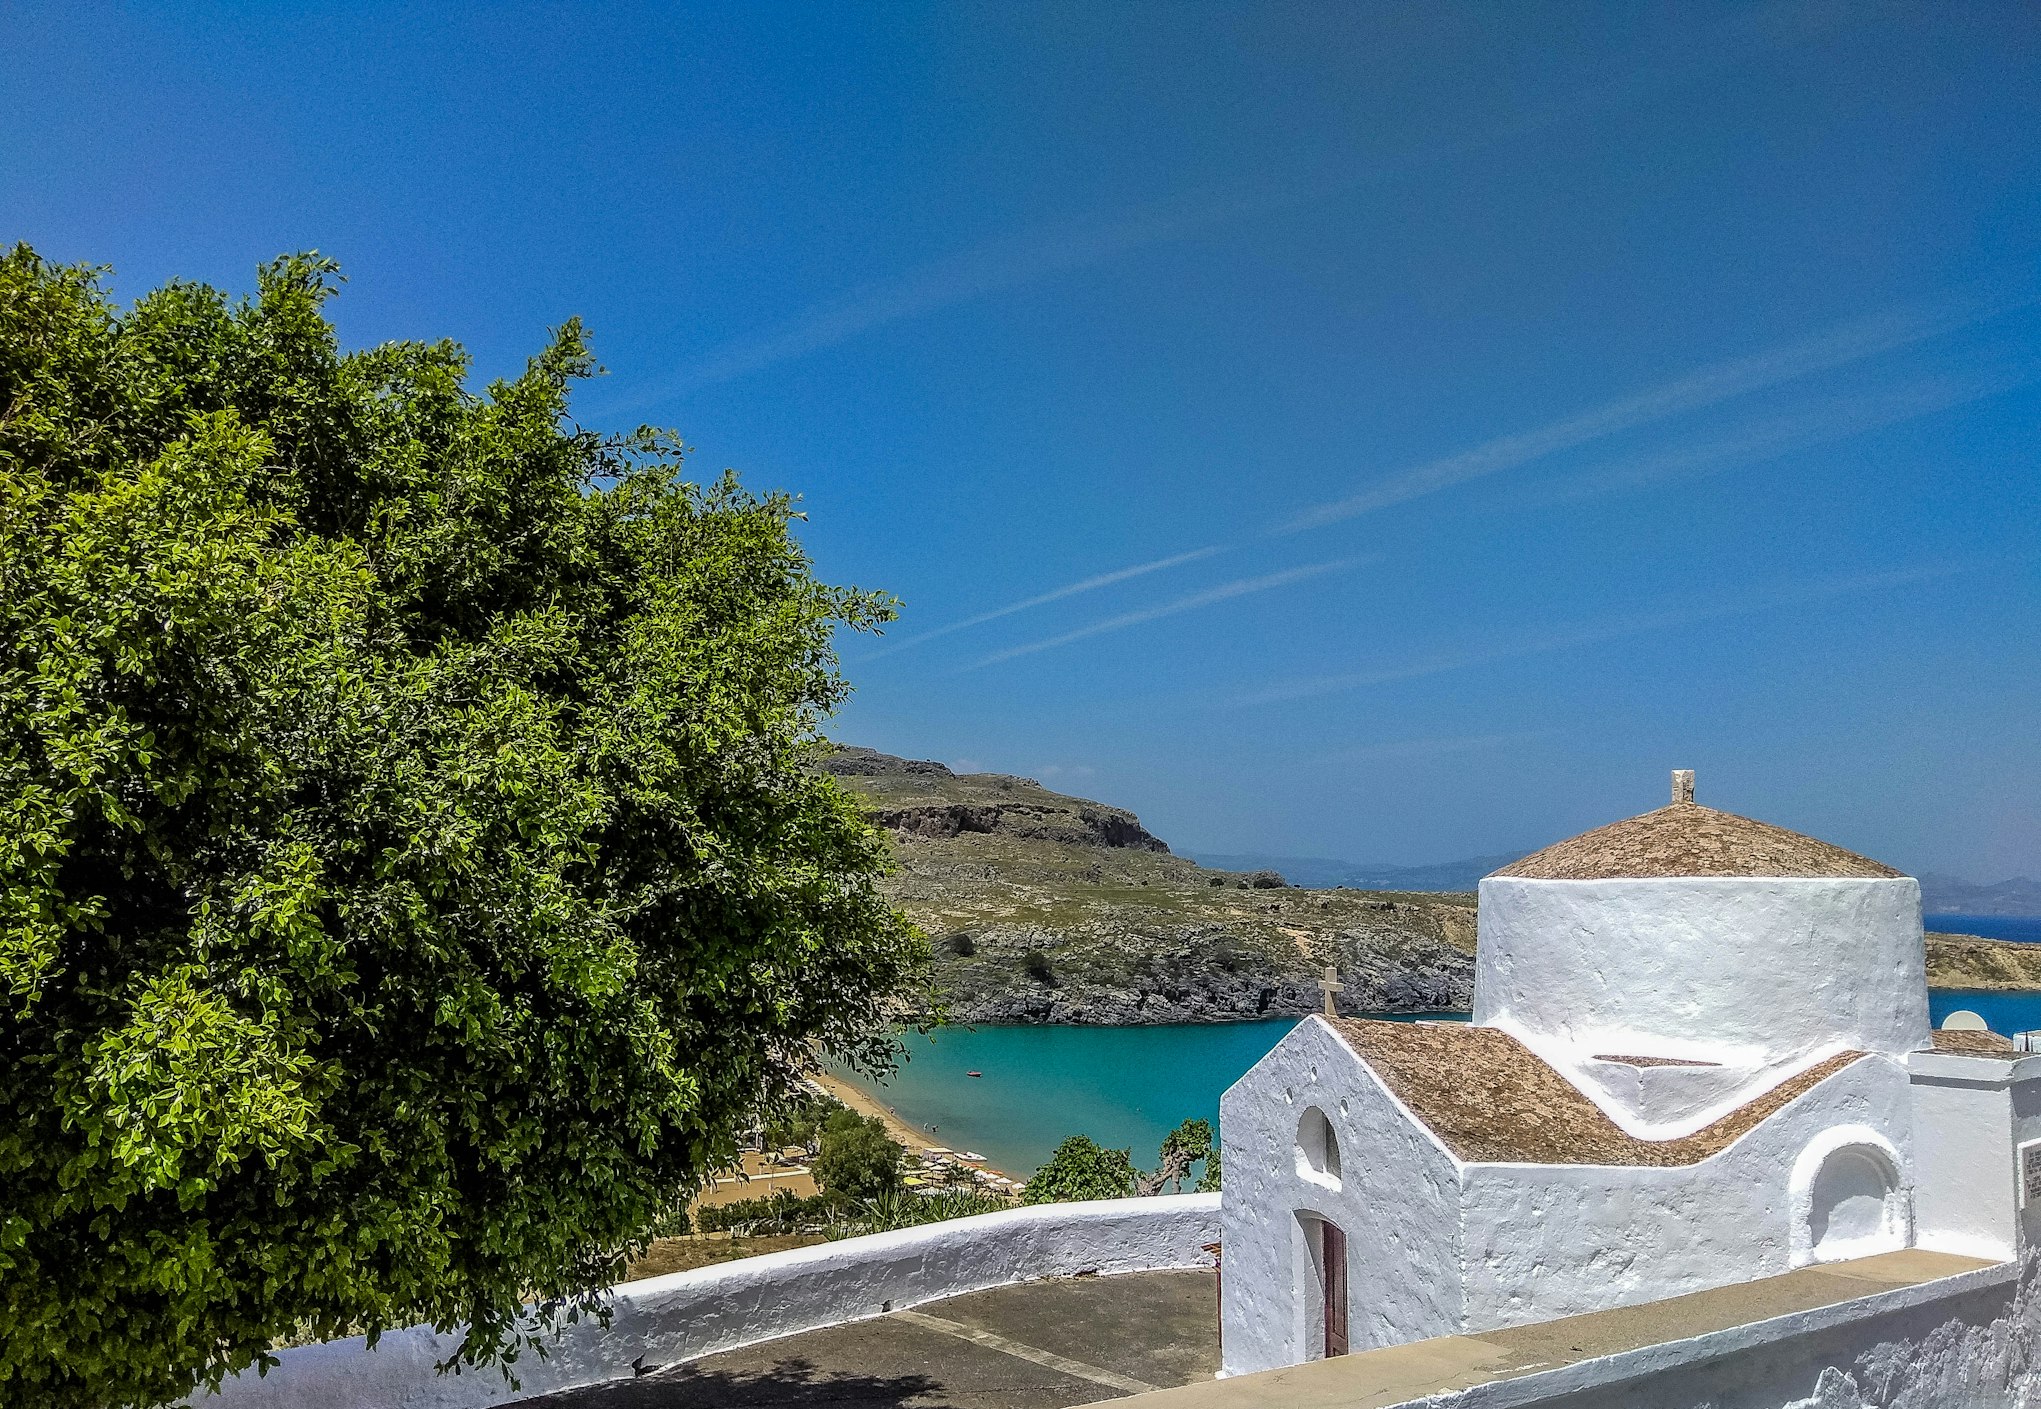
[
  {"x": 858, "y": 1160},
  {"x": 413, "y": 877},
  {"x": 1083, "y": 1169},
  {"x": 1185, "y": 1146}
]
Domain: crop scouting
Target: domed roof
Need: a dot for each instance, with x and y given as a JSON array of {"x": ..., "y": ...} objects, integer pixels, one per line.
[{"x": 1687, "y": 839}]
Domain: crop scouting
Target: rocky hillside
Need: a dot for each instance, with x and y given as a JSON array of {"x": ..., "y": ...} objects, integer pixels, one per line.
[
  {"x": 1050, "y": 908},
  {"x": 1969, "y": 961}
]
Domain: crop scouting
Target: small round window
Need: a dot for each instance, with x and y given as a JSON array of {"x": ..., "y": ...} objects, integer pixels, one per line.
[{"x": 1317, "y": 1149}]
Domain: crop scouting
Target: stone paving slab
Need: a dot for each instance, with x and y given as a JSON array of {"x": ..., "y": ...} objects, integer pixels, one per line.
[
  {"x": 1374, "y": 1379},
  {"x": 1038, "y": 1345}
]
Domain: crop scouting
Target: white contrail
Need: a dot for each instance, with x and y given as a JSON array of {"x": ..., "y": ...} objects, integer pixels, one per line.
[
  {"x": 1028, "y": 255},
  {"x": 998, "y": 264},
  {"x": 1223, "y": 592},
  {"x": 1837, "y": 347},
  {"x": 1830, "y": 419},
  {"x": 1089, "y": 584},
  {"x": 1592, "y": 633}
]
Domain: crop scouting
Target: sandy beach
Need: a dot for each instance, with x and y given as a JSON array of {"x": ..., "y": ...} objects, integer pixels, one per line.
[{"x": 912, "y": 1136}]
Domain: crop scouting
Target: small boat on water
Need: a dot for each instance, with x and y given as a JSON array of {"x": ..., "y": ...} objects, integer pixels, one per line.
[{"x": 974, "y": 1073}]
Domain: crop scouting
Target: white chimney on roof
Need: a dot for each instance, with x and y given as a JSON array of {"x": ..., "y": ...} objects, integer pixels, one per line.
[{"x": 1682, "y": 785}]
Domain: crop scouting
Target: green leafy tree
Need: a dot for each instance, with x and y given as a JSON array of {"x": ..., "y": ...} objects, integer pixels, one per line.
[
  {"x": 1181, "y": 1148},
  {"x": 858, "y": 1160},
  {"x": 1081, "y": 1169},
  {"x": 798, "y": 1122},
  {"x": 413, "y": 877}
]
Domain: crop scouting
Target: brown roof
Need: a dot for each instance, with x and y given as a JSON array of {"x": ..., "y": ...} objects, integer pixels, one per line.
[
  {"x": 1494, "y": 1101},
  {"x": 1687, "y": 839},
  {"x": 1974, "y": 1044}
]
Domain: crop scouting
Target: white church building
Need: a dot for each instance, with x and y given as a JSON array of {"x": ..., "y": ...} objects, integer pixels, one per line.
[{"x": 1700, "y": 1054}]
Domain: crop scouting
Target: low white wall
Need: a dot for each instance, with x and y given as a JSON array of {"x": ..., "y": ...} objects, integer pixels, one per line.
[
  {"x": 1965, "y": 1342},
  {"x": 665, "y": 1320},
  {"x": 1971, "y": 1114}
]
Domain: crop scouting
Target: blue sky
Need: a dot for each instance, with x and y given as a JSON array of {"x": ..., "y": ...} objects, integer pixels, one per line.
[{"x": 1386, "y": 432}]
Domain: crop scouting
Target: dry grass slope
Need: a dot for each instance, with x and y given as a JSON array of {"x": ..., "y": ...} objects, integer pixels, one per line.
[
  {"x": 1969, "y": 961},
  {"x": 1049, "y": 908}
]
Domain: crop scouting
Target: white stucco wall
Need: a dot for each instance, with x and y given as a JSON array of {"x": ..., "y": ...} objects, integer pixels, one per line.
[
  {"x": 1971, "y": 1114},
  {"x": 1542, "y": 1241},
  {"x": 665, "y": 1320},
  {"x": 1753, "y": 972},
  {"x": 1660, "y": 1103},
  {"x": 1397, "y": 1201}
]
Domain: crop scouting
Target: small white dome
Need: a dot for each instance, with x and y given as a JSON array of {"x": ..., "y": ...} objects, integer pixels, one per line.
[{"x": 1688, "y": 932}]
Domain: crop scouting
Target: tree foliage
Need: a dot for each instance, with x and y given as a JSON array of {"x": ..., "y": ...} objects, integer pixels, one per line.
[
  {"x": 858, "y": 1159},
  {"x": 1183, "y": 1147},
  {"x": 1080, "y": 1169},
  {"x": 412, "y": 877},
  {"x": 798, "y": 1121}
]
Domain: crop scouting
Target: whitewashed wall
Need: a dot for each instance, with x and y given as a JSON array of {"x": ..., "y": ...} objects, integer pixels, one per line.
[
  {"x": 1970, "y": 1116},
  {"x": 1437, "y": 1247},
  {"x": 1745, "y": 971},
  {"x": 1397, "y": 1200},
  {"x": 665, "y": 1320},
  {"x": 1543, "y": 1241}
]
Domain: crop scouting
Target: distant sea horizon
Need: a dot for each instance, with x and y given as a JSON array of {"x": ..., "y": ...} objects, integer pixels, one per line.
[{"x": 2022, "y": 929}]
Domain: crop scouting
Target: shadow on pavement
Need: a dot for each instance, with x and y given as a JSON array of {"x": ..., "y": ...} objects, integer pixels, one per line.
[{"x": 786, "y": 1384}]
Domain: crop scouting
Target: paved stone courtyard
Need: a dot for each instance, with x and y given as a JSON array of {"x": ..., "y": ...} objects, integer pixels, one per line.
[{"x": 1040, "y": 1345}]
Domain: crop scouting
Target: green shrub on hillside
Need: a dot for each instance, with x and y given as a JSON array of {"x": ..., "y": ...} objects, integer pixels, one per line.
[{"x": 1081, "y": 1169}]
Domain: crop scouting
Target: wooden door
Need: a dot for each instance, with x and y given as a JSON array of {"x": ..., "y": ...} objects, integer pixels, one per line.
[{"x": 1334, "y": 1252}]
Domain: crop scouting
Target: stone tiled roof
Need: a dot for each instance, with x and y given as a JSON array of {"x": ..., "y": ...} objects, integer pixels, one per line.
[
  {"x": 1687, "y": 839},
  {"x": 1976, "y": 1044},
  {"x": 1494, "y": 1101}
]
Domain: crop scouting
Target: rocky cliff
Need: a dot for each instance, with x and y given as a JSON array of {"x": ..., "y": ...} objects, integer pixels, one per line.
[{"x": 1050, "y": 908}]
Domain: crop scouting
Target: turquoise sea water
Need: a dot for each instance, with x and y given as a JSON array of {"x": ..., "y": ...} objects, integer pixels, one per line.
[
  {"x": 1130, "y": 1086},
  {"x": 2002, "y": 1012},
  {"x": 1122, "y": 1086}
]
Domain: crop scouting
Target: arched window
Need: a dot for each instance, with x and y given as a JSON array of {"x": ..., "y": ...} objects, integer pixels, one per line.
[{"x": 1317, "y": 1149}]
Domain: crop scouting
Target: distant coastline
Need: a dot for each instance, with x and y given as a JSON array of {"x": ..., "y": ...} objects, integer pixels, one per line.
[
  {"x": 1944, "y": 897},
  {"x": 2013, "y": 929}
]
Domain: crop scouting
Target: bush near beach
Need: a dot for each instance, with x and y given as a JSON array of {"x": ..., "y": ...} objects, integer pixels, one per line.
[{"x": 857, "y": 1160}]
